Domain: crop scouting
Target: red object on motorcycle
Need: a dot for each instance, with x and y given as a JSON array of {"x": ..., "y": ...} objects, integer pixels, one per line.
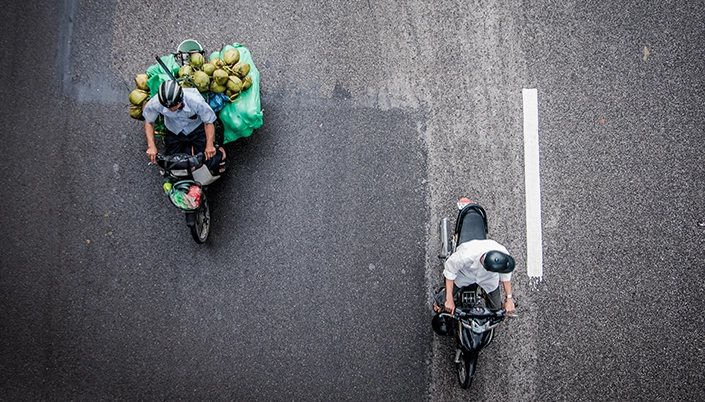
[{"x": 195, "y": 192}]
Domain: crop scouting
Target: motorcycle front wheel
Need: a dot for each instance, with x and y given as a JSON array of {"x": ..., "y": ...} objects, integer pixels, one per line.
[
  {"x": 466, "y": 368},
  {"x": 202, "y": 221}
]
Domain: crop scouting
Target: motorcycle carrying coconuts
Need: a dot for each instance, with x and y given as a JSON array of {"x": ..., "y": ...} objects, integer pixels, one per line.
[{"x": 229, "y": 82}]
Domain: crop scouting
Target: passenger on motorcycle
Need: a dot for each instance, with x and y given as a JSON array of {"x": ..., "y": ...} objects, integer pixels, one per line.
[
  {"x": 189, "y": 124},
  {"x": 484, "y": 262}
]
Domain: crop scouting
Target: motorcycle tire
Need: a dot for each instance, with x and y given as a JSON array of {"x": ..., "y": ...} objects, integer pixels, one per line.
[
  {"x": 466, "y": 368},
  {"x": 202, "y": 221}
]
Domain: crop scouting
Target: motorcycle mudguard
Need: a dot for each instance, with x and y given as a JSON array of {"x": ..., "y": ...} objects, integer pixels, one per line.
[
  {"x": 190, "y": 219},
  {"x": 472, "y": 341},
  {"x": 487, "y": 338}
]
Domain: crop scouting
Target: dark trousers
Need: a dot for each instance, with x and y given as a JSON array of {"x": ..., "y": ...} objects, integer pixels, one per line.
[
  {"x": 493, "y": 298},
  {"x": 191, "y": 143}
]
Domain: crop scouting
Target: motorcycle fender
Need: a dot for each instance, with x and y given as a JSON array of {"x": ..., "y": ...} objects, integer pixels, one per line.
[
  {"x": 471, "y": 340},
  {"x": 487, "y": 338},
  {"x": 190, "y": 219}
]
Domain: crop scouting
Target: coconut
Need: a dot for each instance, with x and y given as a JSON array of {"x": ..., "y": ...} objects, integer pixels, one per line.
[
  {"x": 202, "y": 81},
  {"x": 141, "y": 81},
  {"x": 218, "y": 63},
  {"x": 241, "y": 69},
  {"x": 234, "y": 84},
  {"x": 216, "y": 88},
  {"x": 136, "y": 112},
  {"x": 221, "y": 76},
  {"x": 208, "y": 68},
  {"x": 231, "y": 56},
  {"x": 246, "y": 83},
  {"x": 184, "y": 71},
  {"x": 138, "y": 96},
  {"x": 196, "y": 60}
]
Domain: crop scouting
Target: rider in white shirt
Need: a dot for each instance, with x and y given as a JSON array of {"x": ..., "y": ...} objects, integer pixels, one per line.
[{"x": 189, "y": 124}]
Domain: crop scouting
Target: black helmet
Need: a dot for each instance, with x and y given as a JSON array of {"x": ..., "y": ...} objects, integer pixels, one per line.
[
  {"x": 497, "y": 261},
  {"x": 170, "y": 94},
  {"x": 440, "y": 325}
]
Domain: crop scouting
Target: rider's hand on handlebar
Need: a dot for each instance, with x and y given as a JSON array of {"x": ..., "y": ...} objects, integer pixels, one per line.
[
  {"x": 437, "y": 308},
  {"x": 450, "y": 306},
  {"x": 152, "y": 154},
  {"x": 210, "y": 151},
  {"x": 510, "y": 308}
]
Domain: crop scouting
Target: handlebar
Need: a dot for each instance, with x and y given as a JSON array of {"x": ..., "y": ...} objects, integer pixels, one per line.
[
  {"x": 161, "y": 157},
  {"x": 180, "y": 161},
  {"x": 476, "y": 312}
]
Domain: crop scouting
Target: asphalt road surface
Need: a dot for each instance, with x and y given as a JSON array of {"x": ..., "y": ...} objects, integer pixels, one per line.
[{"x": 315, "y": 283}]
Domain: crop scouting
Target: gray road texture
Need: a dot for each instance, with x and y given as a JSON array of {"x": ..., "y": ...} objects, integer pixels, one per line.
[
  {"x": 622, "y": 96},
  {"x": 315, "y": 283},
  {"x": 312, "y": 282}
]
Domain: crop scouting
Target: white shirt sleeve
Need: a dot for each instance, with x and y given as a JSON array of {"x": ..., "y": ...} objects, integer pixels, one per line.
[
  {"x": 452, "y": 265},
  {"x": 151, "y": 110}
]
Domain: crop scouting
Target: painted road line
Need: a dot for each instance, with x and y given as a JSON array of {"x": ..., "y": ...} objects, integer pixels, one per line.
[{"x": 534, "y": 241}]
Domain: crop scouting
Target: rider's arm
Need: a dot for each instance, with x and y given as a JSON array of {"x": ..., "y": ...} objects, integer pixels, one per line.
[
  {"x": 450, "y": 303},
  {"x": 509, "y": 301},
  {"x": 451, "y": 267},
  {"x": 150, "y": 113},
  {"x": 210, "y": 140},
  {"x": 151, "y": 145}
]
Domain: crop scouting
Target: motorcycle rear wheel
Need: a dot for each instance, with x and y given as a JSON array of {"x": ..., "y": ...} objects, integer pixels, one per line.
[
  {"x": 466, "y": 368},
  {"x": 202, "y": 225}
]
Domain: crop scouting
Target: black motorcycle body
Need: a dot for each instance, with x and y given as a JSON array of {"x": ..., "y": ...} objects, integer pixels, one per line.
[
  {"x": 473, "y": 322},
  {"x": 183, "y": 172}
]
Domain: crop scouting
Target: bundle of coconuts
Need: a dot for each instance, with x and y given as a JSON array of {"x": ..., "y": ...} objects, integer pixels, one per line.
[
  {"x": 227, "y": 75},
  {"x": 139, "y": 97}
]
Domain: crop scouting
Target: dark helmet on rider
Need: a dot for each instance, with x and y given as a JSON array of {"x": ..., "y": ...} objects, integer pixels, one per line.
[
  {"x": 170, "y": 94},
  {"x": 440, "y": 325},
  {"x": 497, "y": 261}
]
